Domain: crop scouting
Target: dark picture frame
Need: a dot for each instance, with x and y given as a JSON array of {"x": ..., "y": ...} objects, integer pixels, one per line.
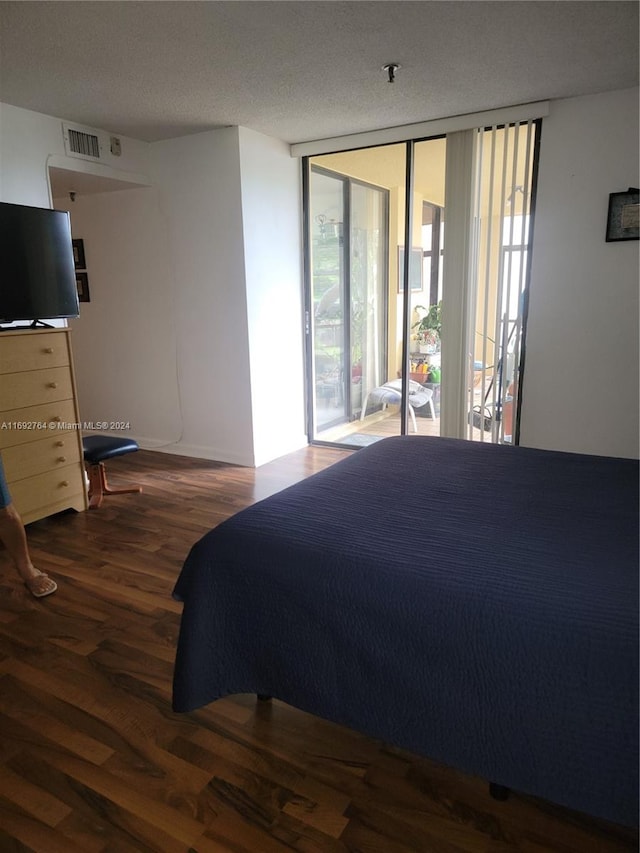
[
  {"x": 78, "y": 255},
  {"x": 623, "y": 216},
  {"x": 415, "y": 269},
  {"x": 82, "y": 284}
]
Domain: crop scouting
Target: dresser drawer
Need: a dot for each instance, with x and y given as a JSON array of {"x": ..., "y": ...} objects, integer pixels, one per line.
[
  {"x": 53, "y": 488},
  {"x": 33, "y": 352},
  {"x": 47, "y": 454},
  {"x": 40, "y": 438},
  {"x": 36, "y": 386},
  {"x": 19, "y": 426}
]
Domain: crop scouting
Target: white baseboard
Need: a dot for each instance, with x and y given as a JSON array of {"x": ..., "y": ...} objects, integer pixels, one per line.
[
  {"x": 197, "y": 452},
  {"x": 213, "y": 454}
]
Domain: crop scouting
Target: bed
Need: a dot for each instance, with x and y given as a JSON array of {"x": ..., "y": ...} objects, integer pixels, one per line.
[{"x": 473, "y": 603}]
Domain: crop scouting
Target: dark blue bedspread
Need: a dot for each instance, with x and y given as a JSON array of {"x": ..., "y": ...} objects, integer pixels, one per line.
[{"x": 473, "y": 603}]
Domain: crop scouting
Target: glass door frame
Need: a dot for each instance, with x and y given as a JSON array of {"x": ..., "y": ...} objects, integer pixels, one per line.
[
  {"x": 345, "y": 296},
  {"x": 348, "y": 181},
  {"x": 406, "y": 300}
]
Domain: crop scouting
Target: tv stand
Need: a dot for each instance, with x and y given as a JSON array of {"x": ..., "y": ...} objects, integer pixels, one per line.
[{"x": 36, "y": 324}]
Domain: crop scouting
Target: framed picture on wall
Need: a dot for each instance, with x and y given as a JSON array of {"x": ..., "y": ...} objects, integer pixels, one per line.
[
  {"x": 623, "y": 217},
  {"x": 415, "y": 269},
  {"x": 82, "y": 283},
  {"x": 78, "y": 254}
]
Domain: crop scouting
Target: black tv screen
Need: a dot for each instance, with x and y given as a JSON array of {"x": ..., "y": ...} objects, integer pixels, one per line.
[{"x": 37, "y": 273}]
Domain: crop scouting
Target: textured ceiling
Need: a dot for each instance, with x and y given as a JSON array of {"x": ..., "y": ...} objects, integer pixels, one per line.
[{"x": 304, "y": 70}]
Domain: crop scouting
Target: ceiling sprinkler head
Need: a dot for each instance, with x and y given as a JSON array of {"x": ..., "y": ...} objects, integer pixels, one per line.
[{"x": 391, "y": 68}]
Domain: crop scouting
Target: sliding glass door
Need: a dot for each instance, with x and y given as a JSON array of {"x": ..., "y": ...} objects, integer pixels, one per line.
[
  {"x": 416, "y": 304},
  {"x": 330, "y": 313},
  {"x": 359, "y": 312},
  {"x": 348, "y": 307}
]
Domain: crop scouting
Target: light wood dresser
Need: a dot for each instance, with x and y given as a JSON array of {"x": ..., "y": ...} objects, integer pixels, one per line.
[{"x": 40, "y": 437}]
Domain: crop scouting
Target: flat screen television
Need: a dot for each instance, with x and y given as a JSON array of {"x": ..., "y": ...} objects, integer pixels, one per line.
[{"x": 37, "y": 272}]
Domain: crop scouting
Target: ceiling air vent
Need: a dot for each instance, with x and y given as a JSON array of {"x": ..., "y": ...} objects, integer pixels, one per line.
[{"x": 83, "y": 142}]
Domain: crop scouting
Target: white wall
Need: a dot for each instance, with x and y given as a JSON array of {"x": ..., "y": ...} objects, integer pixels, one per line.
[
  {"x": 198, "y": 178},
  {"x": 271, "y": 205},
  {"x": 580, "y": 390},
  {"x": 183, "y": 276},
  {"x": 125, "y": 338},
  {"x": 164, "y": 342},
  {"x": 30, "y": 141}
]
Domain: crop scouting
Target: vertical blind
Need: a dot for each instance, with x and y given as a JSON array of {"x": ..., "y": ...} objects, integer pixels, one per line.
[{"x": 501, "y": 236}]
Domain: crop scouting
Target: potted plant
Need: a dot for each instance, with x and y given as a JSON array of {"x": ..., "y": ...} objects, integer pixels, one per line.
[{"x": 428, "y": 328}]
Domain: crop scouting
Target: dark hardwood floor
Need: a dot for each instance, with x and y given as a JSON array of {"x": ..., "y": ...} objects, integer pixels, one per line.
[{"x": 92, "y": 758}]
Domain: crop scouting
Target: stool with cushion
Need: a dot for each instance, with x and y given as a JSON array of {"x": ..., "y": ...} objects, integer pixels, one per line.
[{"x": 97, "y": 449}]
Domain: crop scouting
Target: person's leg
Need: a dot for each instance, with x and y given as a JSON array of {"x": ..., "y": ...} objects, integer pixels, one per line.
[
  {"x": 14, "y": 537},
  {"x": 12, "y": 533}
]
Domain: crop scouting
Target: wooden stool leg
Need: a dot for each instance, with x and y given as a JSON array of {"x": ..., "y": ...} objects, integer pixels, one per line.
[
  {"x": 96, "y": 491},
  {"x": 98, "y": 486},
  {"x": 108, "y": 491}
]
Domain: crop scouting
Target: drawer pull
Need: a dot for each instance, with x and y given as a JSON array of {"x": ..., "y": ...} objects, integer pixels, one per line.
[
  {"x": 48, "y": 350},
  {"x": 61, "y": 459},
  {"x": 56, "y": 419},
  {"x": 59, "y": 443},
  {"x": 64, "y": 483},
  {"x": 52, "y": 384}
]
